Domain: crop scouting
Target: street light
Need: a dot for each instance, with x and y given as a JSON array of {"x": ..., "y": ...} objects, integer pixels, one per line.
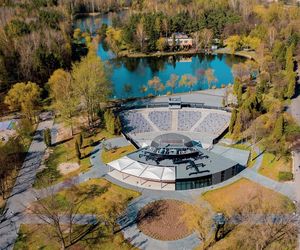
[{"x": 220, "y": 222}]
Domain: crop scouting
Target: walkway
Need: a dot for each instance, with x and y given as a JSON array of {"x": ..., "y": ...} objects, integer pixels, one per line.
[
  {"x": 20, "y": 197},
  {"x": 10, "y": 228}
]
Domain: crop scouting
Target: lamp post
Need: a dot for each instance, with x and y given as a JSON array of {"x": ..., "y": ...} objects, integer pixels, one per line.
[{"x": 220, "y": 222}]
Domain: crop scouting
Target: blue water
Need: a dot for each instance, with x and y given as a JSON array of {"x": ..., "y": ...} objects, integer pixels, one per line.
[{"x": 136, "y": 72}]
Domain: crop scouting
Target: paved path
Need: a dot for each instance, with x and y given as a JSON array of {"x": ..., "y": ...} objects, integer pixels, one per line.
[
  {"x": 294, "y": 109},
  {"x": 20, "y": 198},
  {"x": 130, "y": 230}
]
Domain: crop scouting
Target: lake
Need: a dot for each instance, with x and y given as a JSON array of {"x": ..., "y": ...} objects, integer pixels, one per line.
[{"x": 130, "y": 74}]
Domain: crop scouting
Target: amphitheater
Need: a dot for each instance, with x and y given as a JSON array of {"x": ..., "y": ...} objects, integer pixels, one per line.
[
  {"x": 175, "y": 148},
  {"x": 204, "y": 125}
]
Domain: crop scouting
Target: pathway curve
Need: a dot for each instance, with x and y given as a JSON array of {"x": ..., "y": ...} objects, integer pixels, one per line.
[
  {"x": 20, "y": 196},
  {"x": 127, "y": 221}
]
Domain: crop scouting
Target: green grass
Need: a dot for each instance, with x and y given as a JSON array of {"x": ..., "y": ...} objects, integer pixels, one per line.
[
  {"x": 100, "y": 197},
  {"x": 271, "y": 166},
  {"x": 36, "y": 237},
  {"x": 114, "y": 154},
  {"x": 65, "y": 152}
]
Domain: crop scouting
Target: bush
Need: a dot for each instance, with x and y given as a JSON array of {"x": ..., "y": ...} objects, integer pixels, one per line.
[{"x": 285, "y": 176}]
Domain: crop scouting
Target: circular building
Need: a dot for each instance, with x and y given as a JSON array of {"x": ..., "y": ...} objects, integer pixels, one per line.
[{"x": 175, "y": 159}]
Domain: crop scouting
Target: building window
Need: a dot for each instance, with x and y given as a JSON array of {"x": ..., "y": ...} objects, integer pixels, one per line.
[{"x": 222, "y": 176}]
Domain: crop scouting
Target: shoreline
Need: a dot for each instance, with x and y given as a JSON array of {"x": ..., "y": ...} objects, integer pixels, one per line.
[{"x": 246, "y": 54}]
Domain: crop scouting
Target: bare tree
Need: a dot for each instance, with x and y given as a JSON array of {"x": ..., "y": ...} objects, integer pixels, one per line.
[{"x": 62, "y": 218}]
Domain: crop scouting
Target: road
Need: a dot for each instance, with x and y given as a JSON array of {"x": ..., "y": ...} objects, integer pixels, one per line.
[
  {"x": 294, "y": 109},
  {"x": 21, "y": 195}
]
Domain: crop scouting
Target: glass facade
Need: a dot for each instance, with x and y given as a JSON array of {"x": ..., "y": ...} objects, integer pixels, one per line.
[{"x": 193, "y": 183}]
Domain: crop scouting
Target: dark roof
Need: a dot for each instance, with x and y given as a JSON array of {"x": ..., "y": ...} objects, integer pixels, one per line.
[{"x": 172, "y": 140}]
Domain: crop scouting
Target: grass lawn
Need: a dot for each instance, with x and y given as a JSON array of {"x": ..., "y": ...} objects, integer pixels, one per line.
[
  {"x": 114, "y": 154},
  {"x": 239, "y": 192},
  {"x": 101, "y": 198},
  {"x": 36, "y": 237},
  {"x": 65, "y": 152},
  {"x": 271, "y": 166}
]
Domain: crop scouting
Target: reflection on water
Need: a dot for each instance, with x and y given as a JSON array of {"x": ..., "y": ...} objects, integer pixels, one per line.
[{"x": 136, "y": 72}]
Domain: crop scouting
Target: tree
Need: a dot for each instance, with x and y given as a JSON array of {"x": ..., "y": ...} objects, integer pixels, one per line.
[
  {"x": 290, "y": 74},
  {"x": 188, "y": 80},
  {"x": 24, "y": 97},
  {"x": 47, "y": 137},
  {"x": 65, "y": 101},
  {"x": 25, "y": 130},
  {"x": 79, "y": 140},
  {"x": 278, "y": 129},
  {"x": 77, "y": 150},
  {"x": 156, "y": 84},
  {"x": 143, "y": 90},
  {"x": 232, "y": 120},
  {"x": 233, "y": 43},
  {"x": 114, "y": 39},
  {"x": 61, "y": 216},
  {"x": 141, "y": 34},
  {"x": 112, "y": 123},
  {"x": 241, "y": 72},
  {"x": 91, "y": 83},
  {"x": 161, "y": 44},
  {"x": 118, "y": 126},
  {"x": 172, "y": 82},
  {"x": 240, "y": 95},
  {"x": 207, "y": 36},
  {"x": 199, "y": 219},
  {"x": 210, "y": 76},
  {"x": 237, "y": 126},
  {"x": 11, "y": 159},
  {"x": 268, "y": 223}
]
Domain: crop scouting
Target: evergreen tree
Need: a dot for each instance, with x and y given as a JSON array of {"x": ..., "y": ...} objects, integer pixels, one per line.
[
  {"x": 80, "y": 140},
  {"x": 47, "y": 137},
  {"x": 240, "y": 95},
  {"x": 236, "y": 86},
  {"x": 278, "y": 129},
  {"x": 118, "y": 126},
  {"x": 232, "y": 121},
  {"x": 77, "y": 149},
  {"x": 290, "y": 74},
  {"x": 238, "y": 126}
]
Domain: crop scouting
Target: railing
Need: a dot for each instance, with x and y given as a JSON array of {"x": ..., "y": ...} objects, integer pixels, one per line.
[{"x": 122, "y": 107}]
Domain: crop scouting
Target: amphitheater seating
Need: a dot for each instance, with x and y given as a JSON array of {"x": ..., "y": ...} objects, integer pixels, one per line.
[
  {"x": 213, "y": 123},
  {"x": 187, "y": 119},
  {"x": 162, "y": 119},
  {"x": 134, "y": 122}
]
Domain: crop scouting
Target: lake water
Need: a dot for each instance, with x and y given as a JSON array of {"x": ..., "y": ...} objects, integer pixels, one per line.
[{"x": 136, "y": 72}]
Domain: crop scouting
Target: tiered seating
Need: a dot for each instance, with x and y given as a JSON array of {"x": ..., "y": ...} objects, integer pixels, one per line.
[
  {"x": 213, "y": 123},
  {"x": 187, "y": 119},
  {"x": 162, "y": 119},
  {"x": 134, "y": 122}
]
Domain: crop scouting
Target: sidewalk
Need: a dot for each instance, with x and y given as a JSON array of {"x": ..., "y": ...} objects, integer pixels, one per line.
[{"x": 20, "y": 198}]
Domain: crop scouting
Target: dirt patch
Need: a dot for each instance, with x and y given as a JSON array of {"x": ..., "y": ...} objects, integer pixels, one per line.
[
  {"x": 163, "y": 220},
  {"x": 66, "y": 168}
]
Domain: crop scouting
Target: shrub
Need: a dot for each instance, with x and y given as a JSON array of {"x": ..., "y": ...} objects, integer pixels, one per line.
[{"x": 285, "y": 176}]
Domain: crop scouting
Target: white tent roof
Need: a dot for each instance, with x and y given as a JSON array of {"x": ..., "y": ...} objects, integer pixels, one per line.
[
  {"x": 134, "y": 169},
  {"x": 168, "y": 174},
  {"x": 116, "y": 165},
  {"x": 131, "y": 167},
  {"x": 121, "y": 163},
  {"x": 152, "y": 172}
]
